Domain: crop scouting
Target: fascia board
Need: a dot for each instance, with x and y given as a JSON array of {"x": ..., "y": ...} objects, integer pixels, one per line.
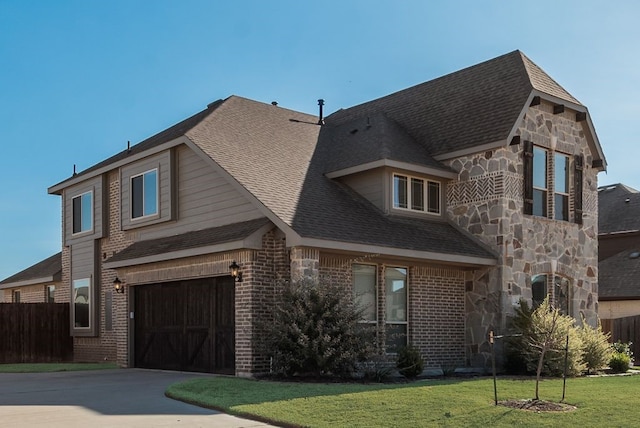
[
  {"x": 393, "y": 252},
  {"x": 26, "y": 282},
  {"x": 57, "y": 188},
  {"x": 436, "y": 172}
]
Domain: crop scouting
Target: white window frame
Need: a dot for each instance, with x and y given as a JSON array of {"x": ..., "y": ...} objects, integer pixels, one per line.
[
  {"x": 427, "y": 209},
  {"x": 566, "y": 194},
  {"x": 89, "y": 303},
  {"x": 545, "y": 189},
  {"x": 144, "y": 190},
  {"x": 375, "y": 291},
  {"x": 406, "y": 309},
  {"x": 90, "y": 229}
]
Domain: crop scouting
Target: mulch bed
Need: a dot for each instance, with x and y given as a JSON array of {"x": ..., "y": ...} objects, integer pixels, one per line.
[{"x": 538, "y": 406}]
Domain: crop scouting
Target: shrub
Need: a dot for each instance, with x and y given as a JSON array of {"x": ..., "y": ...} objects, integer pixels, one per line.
[
  {"x": 623, "y": 347},
  {"x": 619, "y": 362},
  {"x": 316, "y": 331},
  {"x": 545, "y": 328},
  {"x": 596, "y": 347},
  {"x": 409, "y": 362}
]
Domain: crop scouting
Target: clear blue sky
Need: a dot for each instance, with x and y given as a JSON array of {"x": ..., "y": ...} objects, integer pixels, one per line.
[{"x": 78, "y": 79}]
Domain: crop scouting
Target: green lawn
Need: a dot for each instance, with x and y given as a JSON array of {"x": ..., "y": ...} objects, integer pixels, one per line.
[
  {"x": 54, "y": 367},
  {"x": 601, "y": 401}
]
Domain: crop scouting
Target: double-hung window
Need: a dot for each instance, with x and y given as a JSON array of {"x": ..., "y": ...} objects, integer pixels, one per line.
[
  {"x": 144, "y": 194},
  {"x": 396, "y": 308},
  {"x": 548, "y": 185},
  {"x": 561, "y": 187},
  {"x": 416, "y": 194},
  {"x": 364, "y": 292},
  {"x": 82, "y": 206},
  {"x": 539, "y": 182}
]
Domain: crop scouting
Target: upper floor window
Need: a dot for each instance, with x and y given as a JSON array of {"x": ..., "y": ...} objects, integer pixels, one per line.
[
  {"x": 548, "y": 185},
  {"x": 83, "y": 212},
  {"x": 561, "y": 187},
  {"x": 539, "y": 182},
  {"x": 144, "y": 194},
  {"x": 416, "y": 194}
]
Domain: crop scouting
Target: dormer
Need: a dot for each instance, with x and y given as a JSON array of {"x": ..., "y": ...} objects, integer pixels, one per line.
[{"x": 375, "y": 157}]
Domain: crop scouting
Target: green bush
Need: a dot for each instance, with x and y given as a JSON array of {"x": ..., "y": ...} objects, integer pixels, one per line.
[
  {"x": 623, "y": 347},
  {"x": 596, "y": 347},
  {"x": 532, "y": 328},
  {"x": 619, "y": 362},
  {"x": 316, "y": 331},
  {"x": 409, "y": 362}
]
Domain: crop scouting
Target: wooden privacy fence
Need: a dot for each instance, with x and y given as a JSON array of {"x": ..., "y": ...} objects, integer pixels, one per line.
[
  {"x": 625, "y": 330},
  {"x": 35, "y": 333}
]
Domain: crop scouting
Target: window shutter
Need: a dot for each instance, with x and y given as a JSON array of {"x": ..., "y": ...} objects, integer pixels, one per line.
[
  {"x": 578, "y": 171},
  {"x": 527, "y": 158}
]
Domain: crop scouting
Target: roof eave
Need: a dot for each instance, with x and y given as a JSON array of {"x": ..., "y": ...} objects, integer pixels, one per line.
[
  {"x": 251, "y": 242},
  {"x": 466, "y": 261},
  {"x": 27, "y": 282},
  {"x": 78, "y": 178},
  {"x": 428, "y": 170}
]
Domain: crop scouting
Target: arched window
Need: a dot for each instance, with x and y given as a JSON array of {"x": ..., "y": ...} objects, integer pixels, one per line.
[
  {"x": 538, "y": 290},
  {"x": 562, "y": 292}
]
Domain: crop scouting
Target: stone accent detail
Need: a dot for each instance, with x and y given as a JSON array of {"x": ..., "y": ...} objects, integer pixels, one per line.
[
  {"x": 305, "y": 263},
  {"x": 487, "y": 201}
]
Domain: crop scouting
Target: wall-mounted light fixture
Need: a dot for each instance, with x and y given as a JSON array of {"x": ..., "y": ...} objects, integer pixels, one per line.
[
  {"x": 235, "y": 271},
  {"x": 118, "y": 286}
]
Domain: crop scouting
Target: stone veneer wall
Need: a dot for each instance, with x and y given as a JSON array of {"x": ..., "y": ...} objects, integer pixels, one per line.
[{"x": 487, "y": 200}]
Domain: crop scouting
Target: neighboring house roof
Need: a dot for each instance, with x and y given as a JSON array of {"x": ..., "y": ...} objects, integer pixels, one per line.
[
  {"x": 472, "y": 107},
  {"x": 187, "y": 244},
  {"x": 618, "y": 209},
  {"x": 619, "y": 276},
  {"x": 48, "y": 270}
]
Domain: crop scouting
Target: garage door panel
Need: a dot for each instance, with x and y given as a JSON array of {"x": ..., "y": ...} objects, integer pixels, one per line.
[{"x": 186, "y": 325}]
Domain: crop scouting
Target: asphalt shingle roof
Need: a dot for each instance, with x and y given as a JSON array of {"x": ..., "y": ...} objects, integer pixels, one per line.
[
  {"x": 48, "y": 268},
  {"x": 471, "y": 107},
  {"x": 281, "y": 156},
  {"x": 619, "y": 276},
  {"x": 618, "y": 209},
  {"x": 189, "y": 240}
]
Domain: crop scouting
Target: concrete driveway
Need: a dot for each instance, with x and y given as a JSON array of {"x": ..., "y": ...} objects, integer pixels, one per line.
[{"x": 103, "y": 398}]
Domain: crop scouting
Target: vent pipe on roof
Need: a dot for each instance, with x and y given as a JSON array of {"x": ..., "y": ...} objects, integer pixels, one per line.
[
  {"x": 74, "y": 170},
  {"x": 128, "y": 146},
  {"x": 321, "y": 119}
]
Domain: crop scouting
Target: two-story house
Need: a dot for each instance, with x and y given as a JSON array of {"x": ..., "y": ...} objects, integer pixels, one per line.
[{"x": 440, "y": 206}]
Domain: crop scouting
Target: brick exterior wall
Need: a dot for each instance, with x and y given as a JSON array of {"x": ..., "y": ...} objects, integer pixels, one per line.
[{"x": 36, "y": 293}]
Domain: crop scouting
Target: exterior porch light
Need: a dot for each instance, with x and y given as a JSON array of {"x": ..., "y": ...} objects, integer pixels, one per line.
[
  {"x": 118, "y": 286},
  {"x": 235, "y": 271}
]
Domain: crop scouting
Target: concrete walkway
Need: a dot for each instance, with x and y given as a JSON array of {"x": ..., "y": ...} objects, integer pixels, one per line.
[{"x": 103, "y": 398}]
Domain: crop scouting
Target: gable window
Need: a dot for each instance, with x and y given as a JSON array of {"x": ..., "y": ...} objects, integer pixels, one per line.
[
  {"x": 144, "y": 194},
  {"x": 82, "y": 212},
  {"x": 364, "y": 291},
  {"x": 416, "y": 194},
  {"x": 561, "y": 187},
  {"x": 395, "y": 308},
  {"x": 81, "y": 303}
]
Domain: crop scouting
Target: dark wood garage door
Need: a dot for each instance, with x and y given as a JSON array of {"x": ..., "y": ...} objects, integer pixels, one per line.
[{"x": 186, "y": 325}]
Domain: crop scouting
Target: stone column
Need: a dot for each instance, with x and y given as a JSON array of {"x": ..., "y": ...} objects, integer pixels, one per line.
[{"x": 305, "y": 263}]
